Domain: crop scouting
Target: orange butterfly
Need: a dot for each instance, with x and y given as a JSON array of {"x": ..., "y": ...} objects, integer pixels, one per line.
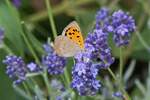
[{"x": 70, "y": 42}]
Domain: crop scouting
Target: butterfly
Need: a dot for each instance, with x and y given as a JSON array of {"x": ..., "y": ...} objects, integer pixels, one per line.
[{"x": 70, "y": 42}]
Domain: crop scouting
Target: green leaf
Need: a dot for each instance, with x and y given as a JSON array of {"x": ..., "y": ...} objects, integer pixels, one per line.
[
  {"x": 130, "y": 70},
  {"x": 11, "y": 23}
]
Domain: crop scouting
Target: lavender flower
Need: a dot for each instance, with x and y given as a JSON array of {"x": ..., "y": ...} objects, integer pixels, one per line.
[
  {"x": 32, "y": 67},
  {"x": 48, "y": 49},
  {"x": 84, "y": 76},
  {"x": 118, "y": 94},
  {"x": 56, "y": 85},
  {"x": 123, "y": 25},
  {"x": 15, "y": 68},
  {"x": 103, "y": 20},
  {"x": 17, "y": 3},
  {"x": 121, "y": 35},
  {"x": 120, "y": 23},
  {"x": 96, "y": 43},
  {"x": 59, "y": 98},
  {"x": 85, "y": 70},
  {"x": 54, "y": 63},
  {"x": 97, "y": 55},
  {"x": 102, "y": 14},
  {"x": 59, "y": 90},
  {"x": 1, "y": 35}
]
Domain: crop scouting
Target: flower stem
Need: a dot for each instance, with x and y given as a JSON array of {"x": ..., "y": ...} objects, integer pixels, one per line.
[
  {"x": 22, "y": 93},
  {"x": 27, "y": 89},
  {"x": 112, "y": 74},
  {"x": 30, "y": 48},
  {"x": 47, "y": 83},
  {"x": 50, "y": 15},
  {"x": 67, "y": 77},
  {"x": 120, "y": 66},
  {"x": 32, "y": 74},
  {"x": 121, "y": 89}
]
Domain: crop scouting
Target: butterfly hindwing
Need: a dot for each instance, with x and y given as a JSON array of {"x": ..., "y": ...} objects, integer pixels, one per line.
[{"x": 66, "y": 47}]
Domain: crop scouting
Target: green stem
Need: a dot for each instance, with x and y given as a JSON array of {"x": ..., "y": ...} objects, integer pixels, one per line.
[
  {"x": 112, "y": 74},
  {"x": 121, "y": 88},
  {"x": 30, "y": 48},
  {"x": 126, "y": 95},
  {"x": 39, "y": 93},
  {"x": 50, "y": 15},
  {"x": 27, "y": 89},
  {"x": 47, "y": 83},
  {"x": 120, "y": 66},
  {"x": 32, "y": 74},
  {"x": 67, "y": 77},
  {"x": 22, "y": 93}
]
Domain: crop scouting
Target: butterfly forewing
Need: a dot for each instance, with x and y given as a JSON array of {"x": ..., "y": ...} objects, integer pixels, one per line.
[
  {"x": 72, "y": 24},
  {"x": 73, "y": 32}
]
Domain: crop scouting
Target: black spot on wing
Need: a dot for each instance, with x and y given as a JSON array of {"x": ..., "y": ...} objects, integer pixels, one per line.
[
  {"x": 75, "y": 30},
  {"x": 67, "y": 30},
  {"x": 78, "y": 36},
  {"x": 70, "y": 33},
  {"x": 65, "y": 34},
  {"x": 73, "y": 33}
]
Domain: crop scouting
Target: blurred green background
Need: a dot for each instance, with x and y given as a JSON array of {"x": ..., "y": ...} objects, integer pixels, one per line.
[{"x": 34, "y": 15}]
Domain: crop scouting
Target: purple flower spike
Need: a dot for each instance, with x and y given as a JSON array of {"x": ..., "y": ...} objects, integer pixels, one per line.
[
  {"x": 103, "y": 20},
  {"x": 84, "y": 78},
  {"x": 102, "y": 14},
  {"x": 15, "y": 68},
  {"x": 96, "y": 44},
  {"x": 84, "y": 75},
  {"x": 32, "y": 67},
  {"x": 121, "y": 36},
  {"x": 123, "y": 25},
  {"x": 54, "y": 63}
]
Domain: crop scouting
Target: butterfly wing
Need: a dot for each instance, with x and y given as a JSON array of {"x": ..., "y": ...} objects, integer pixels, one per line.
[
  {"x": 65, "y": 47},
  {"x": 73, "y": 32}
]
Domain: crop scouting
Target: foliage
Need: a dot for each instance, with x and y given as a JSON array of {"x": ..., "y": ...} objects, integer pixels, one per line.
[{"x": 26, "y": 29}]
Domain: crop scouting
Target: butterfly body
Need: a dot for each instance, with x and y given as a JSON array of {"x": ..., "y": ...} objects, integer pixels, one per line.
[{"x": 70, "y": 42}]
